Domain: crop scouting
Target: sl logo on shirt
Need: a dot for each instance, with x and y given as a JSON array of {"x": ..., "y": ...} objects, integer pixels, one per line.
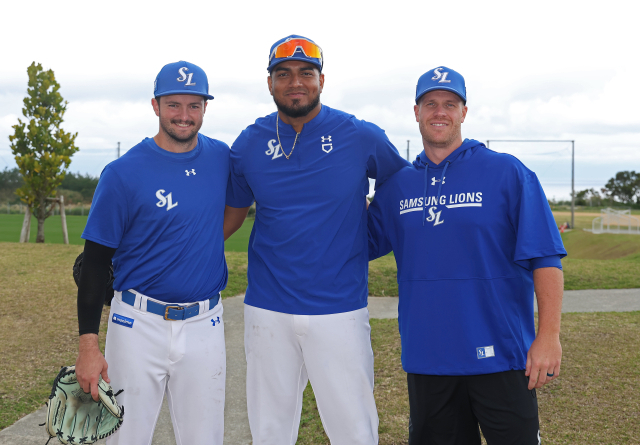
[
  {"x": 165, "y": 200},
  {"x": 273, "y": 149}
]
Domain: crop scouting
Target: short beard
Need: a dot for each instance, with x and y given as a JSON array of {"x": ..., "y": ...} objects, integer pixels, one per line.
[
  {"x": 180, "y": 140},
  {"x": 295, "y": 111},
  {"x": 438, "y": 144}
]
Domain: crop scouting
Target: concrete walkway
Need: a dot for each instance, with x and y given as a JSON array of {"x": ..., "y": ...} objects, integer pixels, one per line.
[{"x": 27, "y": 432}]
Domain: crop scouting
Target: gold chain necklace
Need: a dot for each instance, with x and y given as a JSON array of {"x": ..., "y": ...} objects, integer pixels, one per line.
[{"x": 278, "y": 134}]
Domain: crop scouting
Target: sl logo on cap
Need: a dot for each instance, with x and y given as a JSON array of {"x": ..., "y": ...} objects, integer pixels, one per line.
[
  {"x": 184, "y": 76},
  {"x": 438, "y": 75}
]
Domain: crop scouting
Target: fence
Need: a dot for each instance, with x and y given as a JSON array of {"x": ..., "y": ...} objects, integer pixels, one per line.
[{"x": 15, "y": 209}]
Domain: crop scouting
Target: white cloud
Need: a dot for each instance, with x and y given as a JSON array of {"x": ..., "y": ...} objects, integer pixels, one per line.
[{"x": 544, "y": 70}]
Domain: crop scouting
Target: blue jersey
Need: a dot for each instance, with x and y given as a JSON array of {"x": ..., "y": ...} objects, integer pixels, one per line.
[
  {"x": 308, "y": 246},
  {"x": 466, "y": 234},
  {"x": 163, "y": 214}
]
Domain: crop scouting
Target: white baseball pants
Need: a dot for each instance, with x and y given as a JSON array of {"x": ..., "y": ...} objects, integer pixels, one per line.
[
  {"x": 333, "y": 351},
  {"x": 186, "y": 359}
]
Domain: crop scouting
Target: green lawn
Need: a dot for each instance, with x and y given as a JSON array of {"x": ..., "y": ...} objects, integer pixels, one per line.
[
  {"x": 596, "y": 399},
  {"x": 604, "y": 261},
  {"x": 10, "y": 226}
]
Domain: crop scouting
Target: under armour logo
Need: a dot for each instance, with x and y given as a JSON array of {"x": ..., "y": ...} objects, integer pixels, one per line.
[
  {"x": 326, "y": 147},
  {"x": 192, "y": 172},
  {"x": 434, "y": 180},
  {"x": 165, "y": 200},
  {"x": 184, "y": 76},
  {"x": 217, "y": 320},
  {"x": 441, "y": 76}
]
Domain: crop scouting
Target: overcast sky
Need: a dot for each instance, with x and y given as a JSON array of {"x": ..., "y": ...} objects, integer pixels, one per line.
[{"x": 534, "y": 70}]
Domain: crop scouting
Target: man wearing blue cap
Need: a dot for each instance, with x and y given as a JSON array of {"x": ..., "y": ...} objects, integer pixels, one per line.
[
  {"x": 473, "y": 237},
  {"x": 157, "y": 213},
  {"x": 307, "y": 167}
]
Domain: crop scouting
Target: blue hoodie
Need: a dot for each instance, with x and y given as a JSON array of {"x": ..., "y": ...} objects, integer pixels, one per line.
[{"x": 465, "y": 259}]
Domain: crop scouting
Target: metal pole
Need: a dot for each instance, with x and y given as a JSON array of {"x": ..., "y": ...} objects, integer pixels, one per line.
[
  {"x": 573, "y": 192},
  {"x": 118, "y": 149},
  {"x": 408, "y": 158},
  {"x": 63, "y": 220}
]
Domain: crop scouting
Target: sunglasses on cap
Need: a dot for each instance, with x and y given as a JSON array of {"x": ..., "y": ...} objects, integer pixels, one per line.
[{"x": 288, "y": 49}]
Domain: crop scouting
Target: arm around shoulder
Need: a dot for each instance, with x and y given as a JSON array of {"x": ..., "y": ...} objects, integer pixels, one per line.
[{"x": 233, "y": 219}]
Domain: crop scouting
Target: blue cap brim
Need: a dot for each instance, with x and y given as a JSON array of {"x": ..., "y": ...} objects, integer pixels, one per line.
[
  {"x": 452, "y": 90},
  {"x": 183, "y": 92}
]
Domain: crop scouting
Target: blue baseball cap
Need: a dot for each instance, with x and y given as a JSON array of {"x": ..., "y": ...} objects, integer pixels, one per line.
[
  {"x": 441, "y": 78},
  {"x": 181, "y": 78},
  {"x": 297, "y": 52}
]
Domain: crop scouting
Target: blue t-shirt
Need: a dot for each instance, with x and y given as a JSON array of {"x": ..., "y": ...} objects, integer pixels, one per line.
[
  {"x": 163, "y": 213},
  {"x": 466, "y": 259},
  {"x": 308, "y": 246}
]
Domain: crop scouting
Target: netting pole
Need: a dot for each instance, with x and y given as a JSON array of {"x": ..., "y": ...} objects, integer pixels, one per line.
[{"x": 573, "y": 192}]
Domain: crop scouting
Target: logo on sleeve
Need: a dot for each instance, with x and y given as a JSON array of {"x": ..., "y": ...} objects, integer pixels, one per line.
[
  {"x": 165, "y": 200},
  {"x": 485, "y": 352},
  {"x": 123, "y": 321},
  {"x": 327, "y": 145}
]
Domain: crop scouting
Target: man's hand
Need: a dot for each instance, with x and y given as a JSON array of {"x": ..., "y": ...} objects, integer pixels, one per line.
[
  {"x": 543, "y": 359},
  {"x": 90, "y": 364},
  {"x": 545, "y": 354}
]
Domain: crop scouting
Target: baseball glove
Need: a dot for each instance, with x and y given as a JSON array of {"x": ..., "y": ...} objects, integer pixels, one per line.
[
  {"x": 74, "y": 417},
  {"x": 77, "y": 267}
]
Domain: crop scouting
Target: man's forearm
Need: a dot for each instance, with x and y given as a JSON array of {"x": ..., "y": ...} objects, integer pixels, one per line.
[
  {"x": 549, "y": 287},
  {"x": 233, "y": 219}
]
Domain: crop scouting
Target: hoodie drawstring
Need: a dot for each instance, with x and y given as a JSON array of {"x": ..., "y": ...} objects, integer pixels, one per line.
[
  {"x": 426, "y": 184},
  {"x": 442, "y": 179}
]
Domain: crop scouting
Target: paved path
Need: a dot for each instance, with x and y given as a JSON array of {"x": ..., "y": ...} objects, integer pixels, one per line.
[{"x": 27, "y": 432}]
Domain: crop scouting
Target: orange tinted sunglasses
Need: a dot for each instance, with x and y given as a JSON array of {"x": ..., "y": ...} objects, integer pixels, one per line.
[{"x": 288, "y": 49}]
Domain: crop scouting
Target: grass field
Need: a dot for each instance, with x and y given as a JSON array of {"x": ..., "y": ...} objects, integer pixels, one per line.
[
  {"x": 596, "y": 399},
  {"x": 604, "y": 261},
  {"x": 594, "y": 262},
  {"x": 10, "y": 226}
]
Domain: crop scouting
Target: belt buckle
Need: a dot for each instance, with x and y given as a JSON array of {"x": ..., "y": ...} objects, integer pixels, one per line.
[{"x": 166, "y": 312}]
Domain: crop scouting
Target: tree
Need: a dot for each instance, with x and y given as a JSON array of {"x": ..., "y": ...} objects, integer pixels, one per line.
[
  {"x": 625, "y": 186},
  {"x": 83, "y": 184},
  {"x": 41, "y": 148},
  {"x": 10, "y": 180},
  {"x": 590, "y": 197}
]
